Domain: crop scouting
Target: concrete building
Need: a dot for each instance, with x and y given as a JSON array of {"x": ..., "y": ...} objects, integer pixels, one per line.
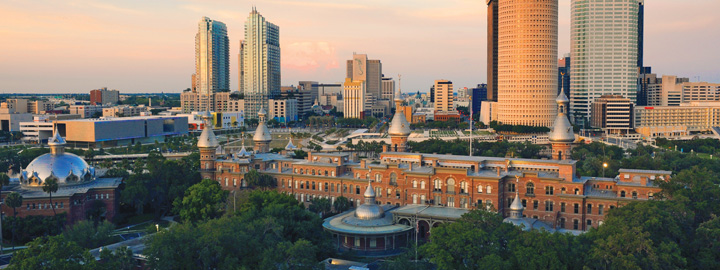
[
  {"x": 527, "y": 62},
  {"x": 259, "y": 63},
  {"x": 87, "y": 111},
  {"x": 673, "y": 91},
  {"x": 104, "y": 132},
  {"x": 478, "y": 95},
  {"x": 443, "y": 96},
  {"x": 40, "y": 129},
  {"x": 10, "y": 121},
  {"x": 604, "y": 50},
  {"x": 488, "y": 112},
  {"x": 353, "y": 98},
  {"x": 221, "y": 102},
  {"x": 218, "y": 120},
  {"x": 613, "y": 114},
  {"x": 671, "y": 121},
  {"x": 492, "y": 50},
  {"x": 103, "y": 96},
  {"x": 645, "y": 79},
  {"x": 308, "y": 94},
  {"x": 126, "y": 111},
  {"x": 283, "y": 110},
  {"x": 388, "y": 88},
  {"x": 21, "y": 105},
  {"x": 212, "y": 61}
]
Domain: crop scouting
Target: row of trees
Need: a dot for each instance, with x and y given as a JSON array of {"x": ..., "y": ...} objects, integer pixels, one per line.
[
  {"x": 500, "y": 127},
  {"x": 441, "y": 125},
  {"x": 489, "y": 149},
  {"x": 706, "y": 145}
]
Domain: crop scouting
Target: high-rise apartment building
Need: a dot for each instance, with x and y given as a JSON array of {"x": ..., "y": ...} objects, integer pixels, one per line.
[
  {"x": 212, "y": 61},
  {"x": 353, "y": 98},
  {"x": 604, "y": 51},
  {"x": 388, "y": 88},
  {"x": 443, "y": 96},
  {"x": 360, "y": 68},
  {"x": 645, "y": 79},
  {"x": 492, "y": 50},
  {"x": 103, "y": 96},
  {"x": 527, "y": 62},
  {"x": 259, "y": 63}
]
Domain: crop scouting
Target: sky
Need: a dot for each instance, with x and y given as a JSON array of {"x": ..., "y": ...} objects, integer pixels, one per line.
[{"x": 140, "y": 46}]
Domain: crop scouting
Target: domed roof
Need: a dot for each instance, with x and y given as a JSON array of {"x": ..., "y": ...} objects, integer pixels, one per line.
[
  {"x": 262, "y": 133},
  {"x": 562, "y": 130},
  {"x": 207, "y": 138},
  {"x": 516, "y": 204},
  {"x": 67, "y": 168},
  {"x": 369, "y": 210},
  {"x": 399, "y": 125},
  {"x": 290, "y": 145},
  {"x": 562, "y": 98}
]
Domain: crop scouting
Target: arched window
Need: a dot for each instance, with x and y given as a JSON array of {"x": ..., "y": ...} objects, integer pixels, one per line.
[
  {"x": 650, "y": 195},
  {"x": 422, "y": 198},
  {"x": 562, "y": 223},
  {"x": 378, "y": 178},
  {"x": 480, "y": 188},
  {"x": 332, "y": 173},
  {"x": 634, "y": 194},
  {"x": 577, "y": 191},
  {"x": 437, "y": 185},
  {"x": 530, "y": 188},
  {"x": 562, "y": 190},
  {"x": 422, "y": 184},
  {"x": 414, "y": 183},
  {"x": 393, "y": 179},
  {"x": 622, "y": 194},
  {"x": 488, "y": 190},
  {"x": 415, "y": 199},
  {"x": 451, "y": 185},
  {"x": 313, "y": 171},
  {"x": 463, "y": 187}
]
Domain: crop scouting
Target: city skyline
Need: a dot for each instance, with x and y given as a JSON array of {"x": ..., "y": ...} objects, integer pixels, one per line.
[{"x": 102, "y": 44}]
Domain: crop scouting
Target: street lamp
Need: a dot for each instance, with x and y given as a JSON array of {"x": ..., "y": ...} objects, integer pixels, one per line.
[
  {"x": 157, "y": 227},
  {"x": 604, "y": 166}
]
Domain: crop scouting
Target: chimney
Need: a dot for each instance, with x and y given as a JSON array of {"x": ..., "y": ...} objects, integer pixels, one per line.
[
  {"x": 410, "y": 167},
  {"x": 643, "y": 181},
  {"x": 363, "y": 163},
  {"x": 477, "y": 168},
  {"x": 385, "y": 147},
  {"x": 309, "y": 156},
  {"x": 498, "y": 171},
  {"x": 279, "y": 167},
  {"x": 340, "y": 161}
]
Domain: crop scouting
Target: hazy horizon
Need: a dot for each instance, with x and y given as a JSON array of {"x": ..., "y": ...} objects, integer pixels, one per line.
[{"x": 148, "y": 47}]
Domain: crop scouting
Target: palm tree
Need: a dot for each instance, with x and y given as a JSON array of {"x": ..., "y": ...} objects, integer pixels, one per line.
[
  {"x": 50, "y": 186},
  {"x": 14, "y": 200}
]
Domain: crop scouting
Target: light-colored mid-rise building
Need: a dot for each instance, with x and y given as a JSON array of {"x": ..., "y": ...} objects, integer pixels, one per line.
[
  {"x": 21, "y": 105},
  {"x": 668, "y": 121},
  {"x": 212, "y": 61},
  {"x": 87, "y": 111},
  {"x": 527, "y": 62},
  {"x": 613, "y": 114},
  {"x": 604, "y": 52},
  {"x": 10, "y": 121},
  {"x": 443, "y": 96},
  {"x": 126, "y": 111},
  {"x": 221, "y": 101},
  {"x": 353, "y": 98},
  {"x": 259, "y": 63},
  {"x": 673, "y": 91},
  {"x": 330, "y": 88},
  {"x": 283, "y": 110},
  {"x": 488, "y": 112}
]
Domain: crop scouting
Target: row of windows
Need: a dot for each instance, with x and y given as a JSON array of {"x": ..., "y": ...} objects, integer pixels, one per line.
[{"x": 41, "y": 206}]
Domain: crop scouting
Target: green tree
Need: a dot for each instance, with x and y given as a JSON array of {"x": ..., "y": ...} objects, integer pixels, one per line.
[
  {"x": 88, "y": 235},
  {"x": 341, "y": 204},
  {"x": 95, "y": 211},
  {"x": 50, "y": 186},
  {"x": 320, "y": 205},
  {"x": 121, "y": 259},
  {"x": 478, "y": 240},
  {"x": 13, "y": 200},
  {"x": 202, "y": 201},
  {"x": 52, "y": 252}
]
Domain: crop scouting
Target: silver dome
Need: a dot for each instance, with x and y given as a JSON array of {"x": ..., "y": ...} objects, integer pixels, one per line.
[
  {"x": 399, "y": 126},
  {"x": 369, "y": 209},
  {"x": 262, "y": 134},
  {"x": 207, "y": 138},
  {"x": 562, "y": 130},
  {"x": 67, "y": 168}
]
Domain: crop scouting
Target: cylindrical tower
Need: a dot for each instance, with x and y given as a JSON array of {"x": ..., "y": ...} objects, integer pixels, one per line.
[
  {"x": 527, "y": 61},
  {"x": 207, "y": 144}
]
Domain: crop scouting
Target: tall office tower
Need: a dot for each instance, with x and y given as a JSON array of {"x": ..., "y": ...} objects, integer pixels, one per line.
[
  {"x": 604, "y": 46},
  {"x": 388, "y": 88},
  {"x": 478, "y": 94},
  {"x": 432, "y": 93},
  {"x": 308, "y": 91},
  {"x": 492, "y": 50},
  {"x": 212, "y": 61},
  {"x": 564, "y": 74},
  {"x": 443, "y": 96},
  {"x": 641, "y": 32},
  {"x": 353, "y": 98},
  {"x": 370, "y": 71},
  {"x": 645, "y": 79},
  {"x": 527, "y": 62},
  {"x": 260, "y": 63}
]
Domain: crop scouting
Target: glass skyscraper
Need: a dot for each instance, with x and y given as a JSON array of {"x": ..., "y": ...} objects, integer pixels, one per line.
[
  {"x": 604, "y": 52},
  {"x": 212, "y": 61},
  {"x": 259, "y": 63}
]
